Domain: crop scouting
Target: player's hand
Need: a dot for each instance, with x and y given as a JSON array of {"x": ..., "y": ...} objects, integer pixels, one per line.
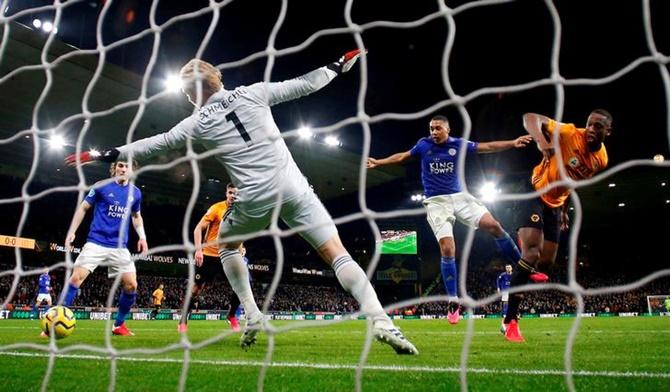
[
  {"x": 86, "y": 157},
  {"x": 522, "y": 141},
  {"x": 372, "y": 163},
  {"x": 565, "y": 220},
  {"x": 69, "y": 239},
  {"x": 347, "y": 61},
  {"x": 142, "y": 246},
  {"x": 198, "y": 258}
]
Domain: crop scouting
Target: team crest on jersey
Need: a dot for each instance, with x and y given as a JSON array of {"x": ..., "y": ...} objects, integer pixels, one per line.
[
  {"x": 110, "y": 194},
  {"x": 573, "y": 162},
  {"x": 452, "y": 151},
  {"x": 535, "y": 218}
]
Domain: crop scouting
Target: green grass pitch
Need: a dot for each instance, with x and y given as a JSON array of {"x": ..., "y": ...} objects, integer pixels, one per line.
[{"x": 609, "y": 354}]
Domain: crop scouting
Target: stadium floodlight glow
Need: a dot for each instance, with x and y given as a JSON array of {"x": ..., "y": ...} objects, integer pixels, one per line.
[
  {"x": 56, "y": 142},
  {"x": 489, "y": 191},
  {"x": 37, "y": 23},
  {"x": 305, "y": 132},
  {"x": 332, "y": 141},
  {"x": 173, "y": 83},
  {"x": 47, "y": 27},
  {"x": 663, "y": 184},
  {"x": 611, "y": 185},
  {"x": 622, "y": 204},
  {"x": 418, "y": 197},
  {"x": 93, "y": 152}
]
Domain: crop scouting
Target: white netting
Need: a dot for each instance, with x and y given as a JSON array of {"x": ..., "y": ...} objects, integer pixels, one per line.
[{"x": 271, "y": 53}]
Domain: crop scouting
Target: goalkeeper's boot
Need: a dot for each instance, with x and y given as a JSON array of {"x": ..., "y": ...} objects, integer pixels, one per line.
[
  {"x": 512, "y": 332},
  {"x": 538, "y": 277},
  {"x": 122, "y": 330},
  {"x": 454, "y": 313},
  {"x": 394, "y": 338},
  {"x": 252, "y": 328}
]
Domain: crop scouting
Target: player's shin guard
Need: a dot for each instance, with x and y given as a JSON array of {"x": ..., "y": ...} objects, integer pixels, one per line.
[
  {"x": 509, "y": 248},
  {"x": 126, "y": 300},
  {"x": 449, "y": 275},
  {"x": 70, "y": 294},
  {"x": 354, "y": 281},
  {"x": 238, "y": 277}
]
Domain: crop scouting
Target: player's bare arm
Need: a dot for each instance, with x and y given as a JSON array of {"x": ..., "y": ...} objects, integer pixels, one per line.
[
  {"x": 399, "y": 157},
  {"x": 76, "y": 221},
  {"x": 197, "y": 241},
  {"x": 502, "y": 145},
  {"x": 536, "y": 125},
  {"x": 138, "y": 224}
]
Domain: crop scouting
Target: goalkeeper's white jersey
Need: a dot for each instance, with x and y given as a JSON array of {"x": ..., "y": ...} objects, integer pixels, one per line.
[{"x": 238, "y": 124}]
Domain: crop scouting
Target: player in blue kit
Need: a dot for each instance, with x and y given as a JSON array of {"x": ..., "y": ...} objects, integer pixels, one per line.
[
  {"x": 445, "y": 202},
  {"x": 502, "y": 285},
  {"x": 112, "y": 204}
]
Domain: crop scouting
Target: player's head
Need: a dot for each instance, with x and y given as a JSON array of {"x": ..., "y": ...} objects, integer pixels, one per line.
[
  {"x": 439, "y": 129},
  {"x": 508, "y": 268},
  {"x": 231, "y": 193},
  {"x": 598, "y": 127},
  {"x": 200, "y": 73},
  {"x": 160, "y": 286},
  {"x": 121, "y": 169},
  {"x": 243, "y": 250},
  {"x": 45, "y": 270}
]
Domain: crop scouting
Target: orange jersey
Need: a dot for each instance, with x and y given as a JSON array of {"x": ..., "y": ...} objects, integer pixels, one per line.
[
  {"x": 579, "y": 162},
  {"x": 213, "y": 218},
  {"x": 158, "y": 296}
]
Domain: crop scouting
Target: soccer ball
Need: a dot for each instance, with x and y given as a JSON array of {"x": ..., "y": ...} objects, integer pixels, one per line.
[{"x": 60, "y": 319}]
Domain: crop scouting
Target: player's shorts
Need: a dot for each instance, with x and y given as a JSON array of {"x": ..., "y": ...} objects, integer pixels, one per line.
[
  {"x": 43, "y": 297},
  {"x": 536, "y": 214},
  {"x": 211, "y": 268},
  {"x": 444, "y": 210},
  {"x": 505, "y": 296},
  {"x": 117, "y": 260},
  {"x": 303, "y": 210}
]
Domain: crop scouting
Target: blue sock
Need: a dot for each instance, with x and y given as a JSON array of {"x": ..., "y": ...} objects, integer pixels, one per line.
[
  {"x": 509, "y": 248},
  {"x": 504, "y": 308},
  {"x": 449, "y": 276},
  {"x": 126, "y": 300},
  {"x": 70, "y": 295}
]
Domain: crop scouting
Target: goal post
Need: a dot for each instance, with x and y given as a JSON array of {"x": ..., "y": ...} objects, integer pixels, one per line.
[{"x": 658, "y": 304}]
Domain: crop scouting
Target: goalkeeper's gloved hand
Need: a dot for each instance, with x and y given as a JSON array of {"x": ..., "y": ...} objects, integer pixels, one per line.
[
  {"x": 347, "y": 61},
  {"x": 91, "y": 156}
]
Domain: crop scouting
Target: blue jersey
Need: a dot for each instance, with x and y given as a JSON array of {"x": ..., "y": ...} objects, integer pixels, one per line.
[
  {"x": 44, "y": 284},
  {"x": 438, "y": 164},
  {"x": 504, "y": 280},
  {"x": 109, "y": 211}
]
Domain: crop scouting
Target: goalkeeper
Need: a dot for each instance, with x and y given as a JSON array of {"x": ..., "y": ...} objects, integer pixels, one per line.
[{"x": 239, "y": 126}]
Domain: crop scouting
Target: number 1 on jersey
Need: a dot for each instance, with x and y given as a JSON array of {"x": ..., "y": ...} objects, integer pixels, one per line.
[{"x": 240, "y": 127}]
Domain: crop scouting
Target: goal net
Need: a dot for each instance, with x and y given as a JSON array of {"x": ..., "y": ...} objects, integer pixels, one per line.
[{"x": 79, "y": 75}]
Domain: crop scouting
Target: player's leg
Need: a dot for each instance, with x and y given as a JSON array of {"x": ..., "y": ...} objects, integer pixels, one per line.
[
  {"x": 323, "y": 237},
  {"x": 79, "y": 275},
  {"x": 121, "y": 263},
  {"x": 505, "y": 242},
  {"x": 203, "y": 276}
]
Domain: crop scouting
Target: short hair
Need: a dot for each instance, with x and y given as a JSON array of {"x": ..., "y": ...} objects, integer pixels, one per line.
[
  {"x": 112, "y": 166},
  {"x": 605, "y": 114},
  {"x": 209, "y": 75},
  {"x": 230, "y": 185},
  {"x": 440, "y": 117}
]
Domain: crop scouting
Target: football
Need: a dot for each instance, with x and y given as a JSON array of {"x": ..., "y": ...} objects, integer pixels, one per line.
[{"x": 60, "y": 320}]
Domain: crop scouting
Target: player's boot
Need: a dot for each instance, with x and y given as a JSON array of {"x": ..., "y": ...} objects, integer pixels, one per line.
[
  {"x": 512, "y": 332},
  {"x": 122, "y": 330},
  {"x": 182, "y": 328},
  {"x": 454, "y": 313},
  {"x": 538, "y": 277},
  {"x": 250, "y": 331},
  {"x": 234, "y": 323},
  {"x": 43, "y": 334},
  {"x": 394, "y": 338}
]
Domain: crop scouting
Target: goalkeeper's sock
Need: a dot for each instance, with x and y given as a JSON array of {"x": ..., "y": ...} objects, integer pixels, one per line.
[
  {"x": 355, "y": 282},
  {"x": 520, "y": 276},
  {"x": 449, "y": 275},
  {"x": 509, "y": 248},
  {"x": 237, "y": 273},
  {"x": 70, "y": 294},
  {"x": 126, "y": 300}
]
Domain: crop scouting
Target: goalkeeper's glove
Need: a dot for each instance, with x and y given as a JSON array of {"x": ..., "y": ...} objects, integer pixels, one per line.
[
  {"x": 347, "y": 61},
  {"x": 91, "y": 156}
]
